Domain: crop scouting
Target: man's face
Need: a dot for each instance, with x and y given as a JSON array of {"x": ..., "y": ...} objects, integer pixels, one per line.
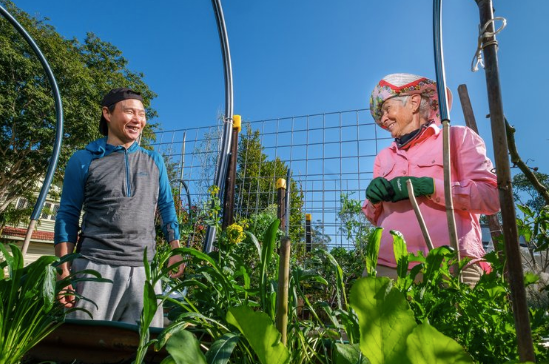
[
  {"x": 398, "y": 118},
  {"x": 126, "y": 122}
]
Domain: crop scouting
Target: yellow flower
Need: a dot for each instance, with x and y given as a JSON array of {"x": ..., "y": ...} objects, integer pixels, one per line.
[
  {"x": 235, "y": 233},
  {"x": 213, "y": 190}
]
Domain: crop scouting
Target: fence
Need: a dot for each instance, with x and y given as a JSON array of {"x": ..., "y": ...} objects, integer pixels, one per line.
[{"x": 329, "y": 155}]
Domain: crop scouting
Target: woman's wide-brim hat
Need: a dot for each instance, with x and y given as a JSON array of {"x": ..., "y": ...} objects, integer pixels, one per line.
[{"x": 405, "y": 84}]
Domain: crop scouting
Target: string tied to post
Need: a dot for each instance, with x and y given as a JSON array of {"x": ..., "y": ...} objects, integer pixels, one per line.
[{"x": 482, "y": 42}]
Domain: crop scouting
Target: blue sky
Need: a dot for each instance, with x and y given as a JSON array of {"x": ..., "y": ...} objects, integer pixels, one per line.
[{"x": 312, "y": 56}]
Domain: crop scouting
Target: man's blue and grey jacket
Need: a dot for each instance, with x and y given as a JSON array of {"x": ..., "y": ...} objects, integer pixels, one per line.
[{"x": 119, "y": 191}]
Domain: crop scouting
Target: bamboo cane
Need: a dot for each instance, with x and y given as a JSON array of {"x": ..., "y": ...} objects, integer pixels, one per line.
[
  {"x": 510, "y": 231},
  {"x": 419, "y": 216},
  {"x": 283, "y": 285}
]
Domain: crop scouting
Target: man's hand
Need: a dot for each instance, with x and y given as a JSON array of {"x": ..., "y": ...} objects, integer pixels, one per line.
[
  {"x": 422, "y": 186},
  {"x": 379, "y": 190},
  {"x": 176, "y": 259},
  {"x": 66, "y": 295},
  {"x": 180, "y": 268}
]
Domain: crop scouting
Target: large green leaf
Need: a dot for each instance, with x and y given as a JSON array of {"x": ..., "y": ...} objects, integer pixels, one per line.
[
  {"x": 221, "y": 350},
  {"x": 48, "y": 287},
  {"x": 267, "y": 250},
  {"x": 372, "y": 251},
  {"x": 401, "y": 253},
  {"x": 426, "y": 345},
  {"x": 261, "y": 333},
  {"x": 349, "y": 354},
  {"x": 385, "y": 320},
  {"x": 185, "y": 348}
]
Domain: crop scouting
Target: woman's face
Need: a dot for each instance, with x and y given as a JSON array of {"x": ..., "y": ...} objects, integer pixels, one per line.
[{"x": 399, "y": 118}]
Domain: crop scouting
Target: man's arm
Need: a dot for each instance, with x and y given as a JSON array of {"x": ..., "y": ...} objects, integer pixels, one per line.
[{"x": 62, "y": 249}]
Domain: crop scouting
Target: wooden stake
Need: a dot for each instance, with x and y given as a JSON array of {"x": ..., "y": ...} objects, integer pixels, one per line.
[{"x": 510, "y": 231}]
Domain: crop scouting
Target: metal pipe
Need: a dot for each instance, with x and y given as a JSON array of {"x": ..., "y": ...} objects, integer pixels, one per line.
[
  {"x": 445, "y": 118},
  {"x": 224, "y": 151},
  {"x": 59, "y": 127},
  {"x": 510, "y": 231}
]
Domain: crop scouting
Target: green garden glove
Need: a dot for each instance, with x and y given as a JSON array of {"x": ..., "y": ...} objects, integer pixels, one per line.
[
  {"x": 379, "y": 189},
  {"x": 422, "y": 186}
]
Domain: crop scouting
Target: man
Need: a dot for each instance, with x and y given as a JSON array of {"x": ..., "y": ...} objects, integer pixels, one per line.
[
  {"x": 119, "y": 186},
  {"x": 407, "y": 106}
]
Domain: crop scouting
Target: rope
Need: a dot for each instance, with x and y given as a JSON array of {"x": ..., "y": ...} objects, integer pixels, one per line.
[{"x": 481, "y": 44}]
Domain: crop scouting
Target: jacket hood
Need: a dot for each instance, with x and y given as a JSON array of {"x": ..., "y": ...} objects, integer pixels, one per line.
[{"x": 100, "y": 148}]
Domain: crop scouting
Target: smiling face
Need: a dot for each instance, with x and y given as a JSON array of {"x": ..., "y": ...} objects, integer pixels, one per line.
[
  {"x": 125, "y": 122},
  {"x": 400, "y": 116}
]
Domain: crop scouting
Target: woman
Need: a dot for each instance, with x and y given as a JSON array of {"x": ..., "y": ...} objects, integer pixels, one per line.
[{"x": 406, "y": 105}]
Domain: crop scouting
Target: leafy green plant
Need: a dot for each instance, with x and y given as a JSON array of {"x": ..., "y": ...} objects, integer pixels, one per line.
[
  {"x": 29, "y": 309},
  {"x": 389, "y": 332}
]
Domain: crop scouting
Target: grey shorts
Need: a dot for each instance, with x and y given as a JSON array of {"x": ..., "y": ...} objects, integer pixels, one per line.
[{"x": 120, "y": 301}]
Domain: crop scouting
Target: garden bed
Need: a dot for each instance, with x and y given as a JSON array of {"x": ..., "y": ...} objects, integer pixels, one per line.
[{"x": 93, "y": 342}]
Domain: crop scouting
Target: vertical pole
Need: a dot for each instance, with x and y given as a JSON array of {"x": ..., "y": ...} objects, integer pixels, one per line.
[
  {"x": 283, "y": 284},
  {"x": 281, "y": 200},
  {"x": 308, "y": 235},
  {"x": 222, "y": 161},
  {"x": 470, "y": 121},
  {"x": 510, "y": 231},
  {"x": 445, "y": 118},
  {"x": 288, "y": 201},
  {"x": 228, "y": 206}
]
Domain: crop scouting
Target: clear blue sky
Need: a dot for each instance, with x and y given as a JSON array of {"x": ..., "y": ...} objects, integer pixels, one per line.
[{"x": 313, "y": 56}]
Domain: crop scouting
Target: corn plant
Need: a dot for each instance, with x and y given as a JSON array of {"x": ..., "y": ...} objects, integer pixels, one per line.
[{"x": 29, "y": 309}]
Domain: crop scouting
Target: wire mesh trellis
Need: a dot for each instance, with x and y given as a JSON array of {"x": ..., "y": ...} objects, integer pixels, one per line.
[{"x": 330, "y": 155}]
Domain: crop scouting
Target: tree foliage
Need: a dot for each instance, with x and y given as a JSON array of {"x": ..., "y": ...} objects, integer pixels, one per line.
[
  {"x": 84, "y": 72},
  {"x": 526, "y": 194},
  {"x": 256, "y": 182}
]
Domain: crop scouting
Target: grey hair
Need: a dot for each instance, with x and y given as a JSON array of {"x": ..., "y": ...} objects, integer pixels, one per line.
[{"x": 424, "y": 106}]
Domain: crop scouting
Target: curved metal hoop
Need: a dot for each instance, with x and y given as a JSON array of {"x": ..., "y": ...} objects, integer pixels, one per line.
[
  {"x": 59, "y": 126},
  {"x": 222, "y": 161}
]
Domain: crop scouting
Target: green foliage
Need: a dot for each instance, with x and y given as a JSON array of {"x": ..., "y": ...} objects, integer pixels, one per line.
[
  {"x": 256, "y": 182},
  {"x": 349, "y": 354},
  {"x": 259, "y": 330},
  {"x": 389, "y": 332},
  {"x": 84, "y": 73},
  {"x": 525, "y": 194},
  {"x": 29, "y": 310}
]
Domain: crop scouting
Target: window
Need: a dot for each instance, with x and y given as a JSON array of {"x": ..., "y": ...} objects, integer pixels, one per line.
[{"x": 21, "y": 203}]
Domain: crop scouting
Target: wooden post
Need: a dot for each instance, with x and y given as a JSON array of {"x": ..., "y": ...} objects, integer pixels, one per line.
[
  {"x": 308, "y": 235},
  {"x": 283, "y": 284},
  {"x": 281, "y": 199},
  {"x": 470, "y": 121},
  {"x": 510, "y": 231},
  {"x": 228, "y": 206}
]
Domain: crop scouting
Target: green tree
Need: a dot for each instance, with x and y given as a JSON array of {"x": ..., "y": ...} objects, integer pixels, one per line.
[
  {"x": 256, "y": 183},
  {"x": 84, "y": 73},
  {"x": 526, "y": 194}
]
